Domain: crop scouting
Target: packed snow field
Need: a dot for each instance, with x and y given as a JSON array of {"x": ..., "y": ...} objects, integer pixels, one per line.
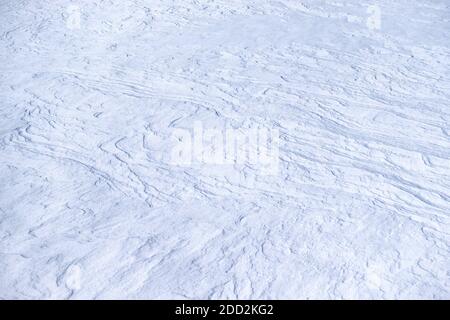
[{"x": 91, "y": 93}]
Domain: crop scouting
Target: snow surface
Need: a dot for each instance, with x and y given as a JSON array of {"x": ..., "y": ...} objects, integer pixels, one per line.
[{"x": 92, "y": 207}]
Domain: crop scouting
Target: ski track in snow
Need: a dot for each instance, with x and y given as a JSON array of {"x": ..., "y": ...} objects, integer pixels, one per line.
[{"x": 90, "y": 206}]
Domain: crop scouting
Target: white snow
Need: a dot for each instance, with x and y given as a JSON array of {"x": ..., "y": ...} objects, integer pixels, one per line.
[{"x": 91, "y": 205}]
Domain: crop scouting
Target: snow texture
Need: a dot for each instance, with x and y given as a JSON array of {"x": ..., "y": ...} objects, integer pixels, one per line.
[{"x": 92, "y": 207}]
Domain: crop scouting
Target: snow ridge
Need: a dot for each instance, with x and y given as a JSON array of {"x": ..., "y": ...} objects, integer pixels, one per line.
[{"x": 91, "y": 205}]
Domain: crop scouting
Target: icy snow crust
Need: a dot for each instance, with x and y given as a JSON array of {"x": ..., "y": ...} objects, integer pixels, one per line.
[{"x": 91, "y": 207}]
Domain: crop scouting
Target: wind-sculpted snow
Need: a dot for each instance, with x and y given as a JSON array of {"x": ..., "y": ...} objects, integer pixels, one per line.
[{"x": 92, "y": 204}]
